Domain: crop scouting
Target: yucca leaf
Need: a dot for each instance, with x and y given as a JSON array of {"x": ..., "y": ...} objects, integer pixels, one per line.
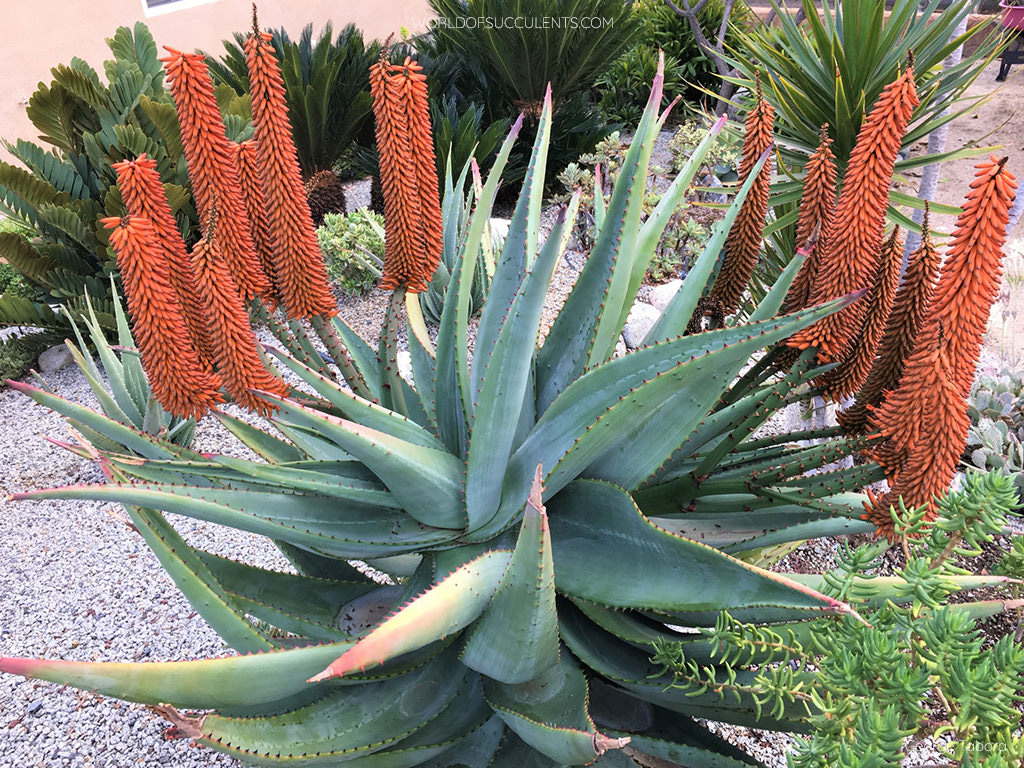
[
  {"x": 447, "y": 607},
  {"x": 516, "y": 638}
]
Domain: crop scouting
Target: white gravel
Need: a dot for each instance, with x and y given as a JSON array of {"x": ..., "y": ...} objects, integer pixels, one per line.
[{"x": 77, "y": 583}]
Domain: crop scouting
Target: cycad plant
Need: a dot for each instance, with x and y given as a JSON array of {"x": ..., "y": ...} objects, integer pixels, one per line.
[{"x": 541, "y": 514}]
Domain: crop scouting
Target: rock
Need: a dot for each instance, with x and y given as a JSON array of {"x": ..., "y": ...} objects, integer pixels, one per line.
[
  {"x": 660, "y": 295},
  {"x": 711, "y": 197},
  {"x": 55, "y": 358},
  {"x": 404, "y": 360},
  {"x": 620, "y": 347},
  {"x": 641, "y": 319}
]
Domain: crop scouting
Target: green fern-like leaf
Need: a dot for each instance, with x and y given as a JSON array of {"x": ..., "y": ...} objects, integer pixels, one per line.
[{"x": 19, "y": 253}]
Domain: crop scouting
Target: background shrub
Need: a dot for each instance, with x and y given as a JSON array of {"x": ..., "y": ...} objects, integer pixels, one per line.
[{"x": 353, "y": 248}]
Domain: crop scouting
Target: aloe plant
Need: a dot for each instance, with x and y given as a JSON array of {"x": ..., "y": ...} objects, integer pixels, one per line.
[{"x": 543, "y": 512}]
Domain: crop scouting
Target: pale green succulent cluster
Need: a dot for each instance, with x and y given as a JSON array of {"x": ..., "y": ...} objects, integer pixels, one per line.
[{"x": 546, "y": 514}]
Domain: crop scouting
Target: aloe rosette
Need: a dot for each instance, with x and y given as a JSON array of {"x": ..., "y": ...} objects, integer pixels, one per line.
[{"x": 542, "y": 513}]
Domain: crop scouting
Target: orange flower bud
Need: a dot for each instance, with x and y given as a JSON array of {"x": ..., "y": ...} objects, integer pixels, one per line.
[
  {"x": 144, "y": 196},
  {"x": 247, "y": 162},
  {"x": 214, "y": 178},
  {"x": 853, "y": 236},
  {"x": 905, "y": 322},
  {"x": 744, "y": 241},
  {"x": 179, "y": 382},
  {"x": 817, "y": 202},
  {"x": 843, "y": 381},
  {"x": 299, "y": 275},
  {"x": 408, "y": 175},
  {"x": 234, "y": 344}
]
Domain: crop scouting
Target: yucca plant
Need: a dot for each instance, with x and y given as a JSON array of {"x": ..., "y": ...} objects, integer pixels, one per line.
[
  {"x": 542, "y": 513},
  {"x": 64, "y": 189}
]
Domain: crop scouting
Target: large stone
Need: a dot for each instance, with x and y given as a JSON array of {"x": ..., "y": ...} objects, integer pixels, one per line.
[
  {"x": 54, "y": 359},
  {"x": 660, "y": 295},
  {"x": 404, "y": 360},
  {"x": 642, "y": 318}
]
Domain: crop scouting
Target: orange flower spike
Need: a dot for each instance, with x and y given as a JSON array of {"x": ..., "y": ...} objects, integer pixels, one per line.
[
  {"x": 901, "y": 332},
  {"x": 234, "y": 344},
  {"x": 144, "y": 196},
  {"x": 930, "y": 462},
  {"x": 299, "y": 276},
  {"x": 421, "y": 142},
  {"x": 852, "y": 373},
  {"x": 853, "y": 236},
  {"x": 180, "y": 383},
  {"x": 817, "y": 202},
  {"x": 212, "y": 169},
  {"x": 247, "y": 161},
  {"x": 972, "y": 272},
  {"x": 744, "y": 241},
  {"x": 408, "y": 175}
]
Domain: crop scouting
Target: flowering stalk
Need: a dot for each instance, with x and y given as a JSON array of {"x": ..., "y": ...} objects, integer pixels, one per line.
[
  {"x": 212, "y": 169},
  {"x": 957, "y": 314},
  {"x": 408, "y": 174},
  {"x": 744, "y": 241},
  {"x": 847, "y": 379},
  {"x": 853, "y": 236},
  {"x": 817, "y": 202},
  {"x": 299, "y": 275},
  {"x": 929, "y": 397},
  {"x": 179, "y": 382},
  {"x": 144, "y": 196},
  {"x": 234, "y": 344},
  {"x": 905, "y": 322},
  {"x": 247, "y": 162}
]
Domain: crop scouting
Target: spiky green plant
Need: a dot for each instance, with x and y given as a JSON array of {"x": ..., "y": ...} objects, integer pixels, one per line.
[
  {"x": 61, "y": 192},
  {"x": 544, "y": 513}
]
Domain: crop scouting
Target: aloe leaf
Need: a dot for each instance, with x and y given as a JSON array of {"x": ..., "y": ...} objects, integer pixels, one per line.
[
  {"x": 352, "y": 531},
  {"x": 476, "y": 750},
  {"x": 427, "y": 482},
  {"x": 226, "y": 683},
  {"x": 550, "y": 713},
  {"x": 516, "y": 638},
  {"x": 677, "y": 314},
  {"x": 421, "y": 354},
  {"x": 357, "y": 720},
  {"x": 271, "y": 596},
  {"x": 359, "y": 409},
  {"x": 628, "y": 260},
  {"x": 271, "y": 448},
  {"x": 654, "y": 568},
  {"x": 570, "y": 346},
  {"x": 465, "y": 734},
  {"x": 454, "y": 414},
  {"x": 362, "y": 355},
  {"x": 518, "y": 251},
  {"x": 506, "y": 380},
  {"x": 639, "y": 442},
  {"x": 121, "y": 434},
  {"x": 447, "y": 607}
]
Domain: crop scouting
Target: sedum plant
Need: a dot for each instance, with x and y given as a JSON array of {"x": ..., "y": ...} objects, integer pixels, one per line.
[
  {"x": 541, "y": 512},
  {"x": 918, "y": 669},
  {"x": 353, "y": 249}
]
